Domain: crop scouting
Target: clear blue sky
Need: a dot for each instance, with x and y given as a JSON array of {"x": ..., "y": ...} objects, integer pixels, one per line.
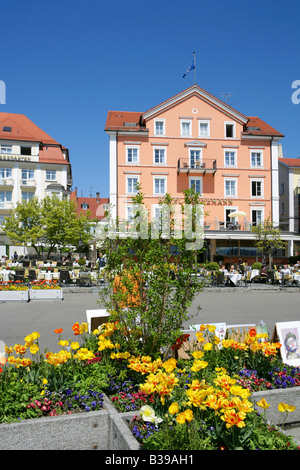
[{"x": 66, "y": 63}]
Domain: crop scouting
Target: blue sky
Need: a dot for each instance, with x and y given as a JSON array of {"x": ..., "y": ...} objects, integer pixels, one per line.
[{"x": 66, "y": 63}]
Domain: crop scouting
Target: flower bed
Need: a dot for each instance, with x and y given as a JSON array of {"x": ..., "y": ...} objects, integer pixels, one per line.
[
  {"x": 10, "y": 291},
  {"x": 191, "y": 404}
]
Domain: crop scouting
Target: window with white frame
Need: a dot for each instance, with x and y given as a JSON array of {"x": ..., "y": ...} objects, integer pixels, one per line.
[
  {"x": 129, "y": 213},
  {"x": 204, "y": 129},
  {"x": 159, "y": 127},
  {"x": 230, "y": 188},
  {"x": 131, "y": 184},
  {"x": 27, "y": 195},
  {"x": 132, "y": 154},
  {"x": 257, "y": 188},
  {"x": 256, "y": 158},
  {"x": 159, "y": 155},
  {"x": 5, "y": 196},
  {"x": 230, "y": 158},
  {"x": 6, "y": 149},
  {"x": 195, "y": 157},
  {"x": 196, "y": 183},
  {"x": 50, "y": 175},
  {"x": 5, "y": 173},
  {"x": 27, "y": 174},
  {"x": 256, "y": 216},
  {"x": 159, "y": 185},
  {"x": 186, "y": 128},
  {"x": 229, "y": 130}
]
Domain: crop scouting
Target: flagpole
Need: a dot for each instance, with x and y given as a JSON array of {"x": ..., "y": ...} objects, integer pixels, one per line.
[{"x": 194, "y": 54}]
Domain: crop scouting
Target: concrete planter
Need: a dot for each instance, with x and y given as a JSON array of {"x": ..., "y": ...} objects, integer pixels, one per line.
[
  {"x": 46, "y": 294},
  {"x": 95, "y": 430},
  {"x": 290, "y": 396},
  {"x": 14, "y": 296}
]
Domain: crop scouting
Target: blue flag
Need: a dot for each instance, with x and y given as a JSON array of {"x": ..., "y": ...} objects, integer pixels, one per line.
[{"x": 191, "y": 67}]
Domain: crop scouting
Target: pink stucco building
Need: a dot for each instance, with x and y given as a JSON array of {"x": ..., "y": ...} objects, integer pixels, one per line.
[{"x": 193, "y": 138}]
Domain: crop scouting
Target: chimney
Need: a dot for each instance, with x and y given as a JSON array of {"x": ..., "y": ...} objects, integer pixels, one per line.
[{"x": 98, "y": 197}]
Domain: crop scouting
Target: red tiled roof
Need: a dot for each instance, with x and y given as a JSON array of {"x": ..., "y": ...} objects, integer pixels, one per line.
[
  {"x": 255, "y": 126},
  {"x": 290, "y": 161},
  {"x": 117, "y": 120},
  {"x": 133, "y": 121},
  {"x": 95, "y": 205},
  {"x": 24, "y": 129}
]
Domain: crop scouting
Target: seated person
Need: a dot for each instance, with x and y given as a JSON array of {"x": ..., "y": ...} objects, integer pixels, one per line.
[
  {"x": 263, "y": 273},
  {"x": 223, "y": 270},
  {"x": 285, "y": 271}
]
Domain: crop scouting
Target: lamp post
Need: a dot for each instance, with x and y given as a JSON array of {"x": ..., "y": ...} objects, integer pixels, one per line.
[{"x": 80, "y": 244}]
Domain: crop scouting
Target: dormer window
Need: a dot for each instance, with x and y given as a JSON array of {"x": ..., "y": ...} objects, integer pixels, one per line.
[{"x": 85, "y": 206}]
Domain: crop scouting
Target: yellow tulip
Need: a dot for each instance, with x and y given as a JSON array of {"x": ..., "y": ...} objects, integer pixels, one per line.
[{"x": 263, "y": 404}]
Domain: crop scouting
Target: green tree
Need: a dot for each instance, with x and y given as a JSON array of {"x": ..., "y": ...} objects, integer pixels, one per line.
[
  {"x": 48, "y": 224},
  {"x": 267, "y": 239},
  {"x": 155, "y": 278}
]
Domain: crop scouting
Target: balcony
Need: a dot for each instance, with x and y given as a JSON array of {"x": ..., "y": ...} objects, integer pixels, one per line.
[
  {"x": 6, "y": 182},
  {"x": 227, "y": 226},
  {"x": 186, "y": 165},
  {"x": 5, "y": 205},
  {"x": 28, "y": 183}
]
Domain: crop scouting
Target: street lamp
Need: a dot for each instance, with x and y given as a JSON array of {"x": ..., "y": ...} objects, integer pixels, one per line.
[{"x": 80, "y": 244}]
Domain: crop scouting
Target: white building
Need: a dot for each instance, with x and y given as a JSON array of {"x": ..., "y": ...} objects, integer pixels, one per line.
[{"x": 32, "y": 164}]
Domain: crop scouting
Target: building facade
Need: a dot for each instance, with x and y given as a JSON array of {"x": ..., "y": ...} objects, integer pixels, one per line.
[
  {"x": 195, "y": 139},
  {"x": 32, "y": 164},
  {"x": 289, "y": 193}
]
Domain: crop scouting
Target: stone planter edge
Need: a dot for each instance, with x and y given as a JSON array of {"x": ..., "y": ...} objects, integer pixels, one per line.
[{"x": 290, "y": 396}]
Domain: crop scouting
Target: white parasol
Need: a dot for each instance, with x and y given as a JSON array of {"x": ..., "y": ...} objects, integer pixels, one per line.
[{"x": 237, "y": 214}]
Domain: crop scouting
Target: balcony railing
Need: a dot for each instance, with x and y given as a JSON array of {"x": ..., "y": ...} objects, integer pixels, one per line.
[
  {"x": 29, "y": 183},
  {"x": 228, "y": 226},
  {"x": 6, "y": 205},
  {"x": 6, "y": 182},
  {"x": 207, "y": 165}
]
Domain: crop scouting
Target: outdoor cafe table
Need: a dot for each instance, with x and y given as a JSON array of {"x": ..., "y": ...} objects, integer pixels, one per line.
[
  {"x": 254, "y": 273},
  {"x": 234, "y": 277}
]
